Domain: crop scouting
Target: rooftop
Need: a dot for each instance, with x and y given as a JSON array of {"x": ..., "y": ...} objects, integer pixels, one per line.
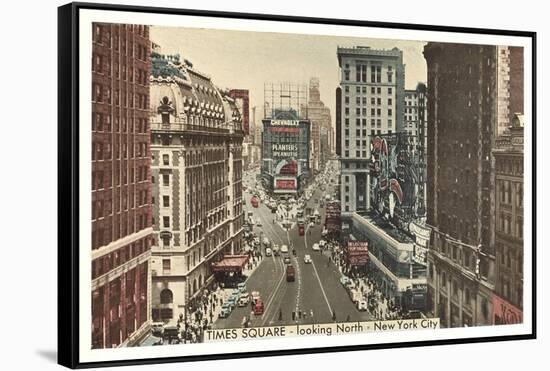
[{"x": 386, "y": 226}]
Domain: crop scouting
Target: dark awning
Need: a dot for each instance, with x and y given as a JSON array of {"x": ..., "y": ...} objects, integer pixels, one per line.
[{"x": 230, "y": 263}]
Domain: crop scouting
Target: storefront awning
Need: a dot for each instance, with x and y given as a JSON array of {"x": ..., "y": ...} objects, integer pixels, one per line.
[{"x": 230, "y": 263}]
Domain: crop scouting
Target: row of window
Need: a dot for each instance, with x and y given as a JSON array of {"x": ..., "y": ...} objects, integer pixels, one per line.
[
  {"x": 375, "y": 73},
  {"x": 102, "y": 94},
  {"x": 102, "y": 35},
  {"x": 373, "y": 89},
  {"x": 102, "y": 64},
  {"x": 119, "y": 257},
  {"x": 102, "y": 122},
  {"x": 102, "y": 151},
  {"x": 103, "y": 234},
  {"x": 363, "y": 101}
]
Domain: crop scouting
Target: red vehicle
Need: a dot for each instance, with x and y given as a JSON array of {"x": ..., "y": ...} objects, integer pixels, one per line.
[
  {"x": 301, "y": 227},
  {"x": 254, "y": 201},
  {"x": 258, "y": 307}
]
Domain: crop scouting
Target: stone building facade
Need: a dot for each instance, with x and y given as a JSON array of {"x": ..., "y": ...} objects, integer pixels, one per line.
[
  {"x": 319, "y": 116},
  {"x": 196, "y": 145},
  {"x": 371, "y": 97},
  {"x": 121, "y": 199},
  {"x": 508, "y": 167}
]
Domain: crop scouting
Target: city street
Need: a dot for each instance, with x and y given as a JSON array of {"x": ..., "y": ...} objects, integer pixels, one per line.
[{"x": 316, "y": 291}]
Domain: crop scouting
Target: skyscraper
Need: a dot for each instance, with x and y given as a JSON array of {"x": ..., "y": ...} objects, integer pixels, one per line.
[
  {"x": 372, "y": 86},
  {"x": 319, "y": 116},
  {"x": 121, "y": 199},
  {"x": 462, "y": 131}
]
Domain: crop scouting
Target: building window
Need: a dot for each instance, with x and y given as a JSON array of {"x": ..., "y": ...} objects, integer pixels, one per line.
[
  {"x": 166, "y": 201},
  {"x": 165, "y": 160},
  {"x": 166, "y": 269},
  {"x": 165, "y": 179},
  {"x": 166, "y": 221}
]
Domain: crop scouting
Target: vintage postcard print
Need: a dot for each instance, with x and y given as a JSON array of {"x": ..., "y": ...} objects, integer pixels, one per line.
[{"x": 277, "y": 186}]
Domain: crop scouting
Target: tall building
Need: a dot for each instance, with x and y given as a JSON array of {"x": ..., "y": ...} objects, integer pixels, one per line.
[
  {"x": 121, "y": 199},
  {"x": 196, "y": 148},
  {"x": 372, "y": 87},
  {"x": 462, "y": 130},
  {"x": 508, "y": 166},
  {"x": 319, "y": 116},
  {"x": 414, "y": 123},
  {"x": 240, "y": 96}
]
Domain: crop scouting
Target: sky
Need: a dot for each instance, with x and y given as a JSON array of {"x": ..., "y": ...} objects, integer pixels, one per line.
[{"x": 247, "y": 60}]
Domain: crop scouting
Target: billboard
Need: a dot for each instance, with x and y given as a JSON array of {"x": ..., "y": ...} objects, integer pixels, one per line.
[
  {"x": 421, "y": 235},
  {"x": 285, "y": 153},
  {"x": 505, "y": 313},
  {"x": 357, "y": 252},
  {"x": 284, "y": 184}
]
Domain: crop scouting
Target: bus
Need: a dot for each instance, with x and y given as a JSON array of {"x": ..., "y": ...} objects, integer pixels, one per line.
[{"x": 254, "y": 201}]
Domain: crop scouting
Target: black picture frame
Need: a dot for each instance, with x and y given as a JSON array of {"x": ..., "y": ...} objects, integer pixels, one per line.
[{"x": 68, "y": 181}]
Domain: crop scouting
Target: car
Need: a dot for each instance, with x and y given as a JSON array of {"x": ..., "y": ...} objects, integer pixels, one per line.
[
  {"x": 322, "y": 243},
  {"x": 232, "y": 301},
  {"x": 307, "y": 259},
  {"x": 268, "y": 252},
  {"x": 286, "y": 260},
  {"x": 258, "y": 223},
  {"x": 157, "y": 328},
  {"x": 241, "y": 287},
  {"x": 244, "y": 299},
  {"x": 224, "y": 313},
  {"x": 255, "y": 295},
  {"x": 170, "y": 333},
  {"x": 362, "y": 305},
  {"x": 311, "y": 224},
  {"x": 284, "y": 249},
  {"x": 344, "y": 280},
  {"x": 315, "y": 247}
]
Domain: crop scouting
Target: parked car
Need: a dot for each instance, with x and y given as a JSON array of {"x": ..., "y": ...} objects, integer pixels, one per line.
[
  {"x": 322, "y": 243},
  {"x": 315, "y": 247},
  {"x": 244, "y": 299},
  {"x": 241, "y": 287},
  {"x": 284, "y": 249},
  {"x": 362, "y": 305},
  {"x": 157, "y": 328},
  {"x": 225, "y": 311},
  {"x": 286, "y": 260},
  {"x": 307, "y": 259},
  {"x": 268, "y": 252},
  {"x": 344, "y": 280}
]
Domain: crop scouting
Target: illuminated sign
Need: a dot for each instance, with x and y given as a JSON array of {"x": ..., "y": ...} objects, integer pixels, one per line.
[
  {"x": 285, "y": 183},
  {"x": 284, "y": 150},
  {"x": 285, "y": 123},
  {"x": 357, "y": 252},
  {"x": 422, "y": 237}
]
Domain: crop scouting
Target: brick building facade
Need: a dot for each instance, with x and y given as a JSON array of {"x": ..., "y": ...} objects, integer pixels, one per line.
[{"x": 121, "y": 204}]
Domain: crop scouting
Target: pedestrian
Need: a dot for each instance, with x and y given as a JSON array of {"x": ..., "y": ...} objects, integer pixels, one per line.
[{"x": 334, "y": 316}]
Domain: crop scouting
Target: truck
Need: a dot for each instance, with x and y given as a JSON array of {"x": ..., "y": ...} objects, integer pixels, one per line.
[
  {"x": 290, "y": 273},
  {"x": 301, "y": 226}
]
